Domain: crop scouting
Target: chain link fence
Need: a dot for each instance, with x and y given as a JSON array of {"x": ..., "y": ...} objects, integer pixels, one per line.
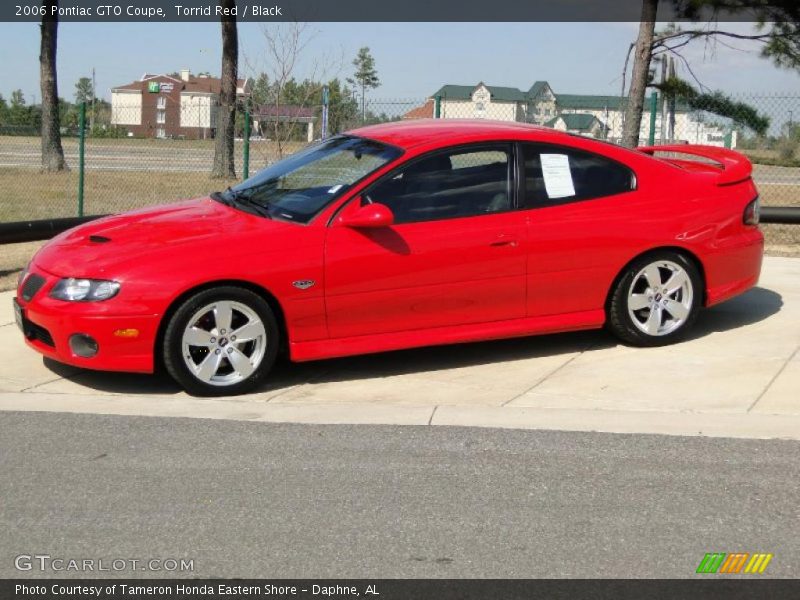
[
  {"x": 145, "y": 155},
  {"x": 774, "y": 151}
]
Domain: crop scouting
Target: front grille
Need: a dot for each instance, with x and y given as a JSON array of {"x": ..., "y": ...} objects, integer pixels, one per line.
[
  {"x": 33, "y": 283},
  {"x": 37, "y": 332}
]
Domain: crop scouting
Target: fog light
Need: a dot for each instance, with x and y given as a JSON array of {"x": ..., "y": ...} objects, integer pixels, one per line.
[
  {"x": 83, "y": 345},
  {"x": 127, "y": 333}
]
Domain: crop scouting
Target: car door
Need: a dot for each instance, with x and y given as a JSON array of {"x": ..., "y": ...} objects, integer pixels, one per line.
[
  {"x": 580, "y": 206},
  {"x": 454, "y": 255}
]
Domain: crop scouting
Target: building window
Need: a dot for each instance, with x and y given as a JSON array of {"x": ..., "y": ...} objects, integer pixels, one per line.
[
  {"x": 162, "y": 102},
  {"x": 160, "y": 133},
  {"x": 161, "y": 117}
]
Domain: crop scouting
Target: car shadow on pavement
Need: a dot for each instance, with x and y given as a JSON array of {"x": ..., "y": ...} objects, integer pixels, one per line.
[
  {"x": 754, "y": 306},
  {"x": 458, "y": 356},
  {"x": 110, "y": 382}
]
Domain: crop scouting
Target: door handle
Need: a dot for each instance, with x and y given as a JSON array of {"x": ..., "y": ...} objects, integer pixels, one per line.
[{"x": 504, "y": 242}]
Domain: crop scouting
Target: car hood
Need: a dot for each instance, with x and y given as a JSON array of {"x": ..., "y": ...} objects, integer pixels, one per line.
[{"x": 114, "y": 243}]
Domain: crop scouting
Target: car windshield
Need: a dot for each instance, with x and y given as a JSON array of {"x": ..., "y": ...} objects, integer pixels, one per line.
[{"x": 300, "y": 186}]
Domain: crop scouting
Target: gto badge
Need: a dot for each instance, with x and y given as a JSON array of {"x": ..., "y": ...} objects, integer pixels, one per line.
[{"x": 303, "y": 284}]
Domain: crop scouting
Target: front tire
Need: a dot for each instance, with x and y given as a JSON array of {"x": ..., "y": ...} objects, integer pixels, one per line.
[
  {"x": 221, "y": 342},
  {"x": 656, "y": 299}
]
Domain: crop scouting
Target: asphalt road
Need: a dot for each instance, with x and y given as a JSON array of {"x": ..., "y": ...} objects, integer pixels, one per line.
[{"x": 275, "y": 500}]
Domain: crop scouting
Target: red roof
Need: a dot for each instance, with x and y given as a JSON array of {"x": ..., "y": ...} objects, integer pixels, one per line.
[{"x": 421, "y": 112}]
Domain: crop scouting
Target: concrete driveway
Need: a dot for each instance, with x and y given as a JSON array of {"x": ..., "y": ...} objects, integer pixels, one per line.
[{"x": 738, "y": 376}]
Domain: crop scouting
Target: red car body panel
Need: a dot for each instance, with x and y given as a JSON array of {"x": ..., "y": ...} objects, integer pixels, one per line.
[
  {"x": 379, "y": 280},
  {"x": 521, "y": 272}
]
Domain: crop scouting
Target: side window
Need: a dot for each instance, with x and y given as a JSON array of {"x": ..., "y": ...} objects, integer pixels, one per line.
[
  {"x": 557, "y": 175},
  {"x": 448, "y": 185}
]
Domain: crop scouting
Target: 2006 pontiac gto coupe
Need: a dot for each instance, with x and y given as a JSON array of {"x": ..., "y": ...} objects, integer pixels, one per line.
[{"x": 400, "y": 235}]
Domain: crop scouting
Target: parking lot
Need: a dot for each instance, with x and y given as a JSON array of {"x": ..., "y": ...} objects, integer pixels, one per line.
[{"x": 737, "y": 376}]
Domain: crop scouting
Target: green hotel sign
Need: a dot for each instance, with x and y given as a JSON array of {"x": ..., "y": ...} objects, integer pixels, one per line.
[{"x": 153, "y": 87}]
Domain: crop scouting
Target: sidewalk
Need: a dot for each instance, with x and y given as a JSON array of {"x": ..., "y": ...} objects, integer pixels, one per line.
[{"x": 738, "y": 376}]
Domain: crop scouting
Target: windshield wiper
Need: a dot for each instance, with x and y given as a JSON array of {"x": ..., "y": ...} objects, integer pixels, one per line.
[
  {"x": 220, "y": 198},
  {"x": 240, "y": 198}
]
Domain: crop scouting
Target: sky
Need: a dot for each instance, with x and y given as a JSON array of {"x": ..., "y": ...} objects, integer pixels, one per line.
[{"x": 413, "y": 59}]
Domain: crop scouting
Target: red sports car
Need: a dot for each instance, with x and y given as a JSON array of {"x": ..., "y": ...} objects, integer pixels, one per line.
[{"x": 400, "y": 235}]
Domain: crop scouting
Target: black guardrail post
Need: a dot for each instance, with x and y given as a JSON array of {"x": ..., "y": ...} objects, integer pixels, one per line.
[
  {"x": 787, "y": 215},
  {"x": 33, "y": 231}
]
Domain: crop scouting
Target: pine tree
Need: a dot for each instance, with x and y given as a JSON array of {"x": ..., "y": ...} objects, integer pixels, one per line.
[{"x": 365, "y": 77}]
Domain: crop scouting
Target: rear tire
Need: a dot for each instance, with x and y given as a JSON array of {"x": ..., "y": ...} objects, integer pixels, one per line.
[
  {"x": 221, "y": 342},
  {"x": 656, "y": 299}
]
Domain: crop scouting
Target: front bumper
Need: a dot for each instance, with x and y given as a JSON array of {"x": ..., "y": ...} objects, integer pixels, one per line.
[{"x": 47, "y": 325}]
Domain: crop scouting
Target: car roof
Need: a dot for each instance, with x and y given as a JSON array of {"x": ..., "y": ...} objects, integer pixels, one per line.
[{"x": 407, "y": 134}]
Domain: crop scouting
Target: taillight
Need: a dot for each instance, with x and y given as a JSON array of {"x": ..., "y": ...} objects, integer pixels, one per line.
[{"x": 752, "y": 212}]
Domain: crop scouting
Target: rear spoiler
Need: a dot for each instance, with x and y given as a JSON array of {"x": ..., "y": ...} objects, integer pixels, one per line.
[{"x": 736, "y": 167}]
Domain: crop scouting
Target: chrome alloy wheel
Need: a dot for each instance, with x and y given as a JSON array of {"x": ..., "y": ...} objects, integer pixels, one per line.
[
  {"x": 660, "y": 298},
  {"x": 223, "y": 343}
]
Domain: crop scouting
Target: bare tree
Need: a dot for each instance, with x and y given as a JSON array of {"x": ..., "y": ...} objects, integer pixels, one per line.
[
  {"x": 287, "y": 100},
  {"x": 640, "y": 75},
  {"x": 226, "y": 111},
  {"x": 52, "y": 152},
  {"x": 778, "y": 32}
]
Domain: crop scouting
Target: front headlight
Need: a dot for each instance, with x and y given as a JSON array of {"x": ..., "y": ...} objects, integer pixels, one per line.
[{"x": 84, "y": 290}]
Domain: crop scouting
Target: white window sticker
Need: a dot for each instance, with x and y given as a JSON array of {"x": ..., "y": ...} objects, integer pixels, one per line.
[
  {"x": 557, "y": 176},
  {"x": 335, "y": 189}
]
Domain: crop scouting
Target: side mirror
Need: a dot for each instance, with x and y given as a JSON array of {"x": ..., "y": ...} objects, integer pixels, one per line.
[{"x": 369, "y": 217}]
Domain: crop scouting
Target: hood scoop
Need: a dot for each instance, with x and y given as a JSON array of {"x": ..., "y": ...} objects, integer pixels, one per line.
[{"x": 99, "y": 239}]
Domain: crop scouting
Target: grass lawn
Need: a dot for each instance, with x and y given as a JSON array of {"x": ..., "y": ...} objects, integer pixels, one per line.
[
  {"x": 28, "y": 194},
  {"x": 121, "y": 174}
]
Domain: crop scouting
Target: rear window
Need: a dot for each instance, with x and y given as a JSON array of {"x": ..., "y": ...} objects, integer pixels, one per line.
[{"x": 557, "y": 175}]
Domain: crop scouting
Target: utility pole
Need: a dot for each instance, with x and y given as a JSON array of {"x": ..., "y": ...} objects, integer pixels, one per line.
[
  {"x": 94, "y": 96},
  {"x": 363, "y": 103},
  {"x": 325, "y": 102},
  {"x": 672, "y": 103},
  {"x": 663, "y": 101}
]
